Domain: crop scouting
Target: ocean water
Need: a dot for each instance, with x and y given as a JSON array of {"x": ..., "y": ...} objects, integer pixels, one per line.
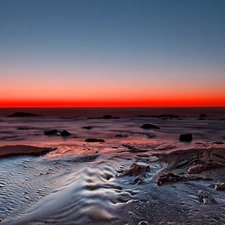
[{"x": 78, "y": 183}]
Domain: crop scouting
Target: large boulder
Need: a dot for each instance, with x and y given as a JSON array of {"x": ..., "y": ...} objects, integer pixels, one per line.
[
  {"x": 149, "y": 126},
  {"x": 186, "y": 137}
]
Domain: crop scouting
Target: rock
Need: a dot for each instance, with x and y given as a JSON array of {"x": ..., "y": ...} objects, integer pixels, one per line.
[
  {"x": 139, "y": 171},
  {"x": 203, "y": 115},
  {"x": 206, "y": 198},
  {"x": 121, "y": 135},
  {"x": 149, "y": 126},
  {"x": 204, "y": 166},
  {"x": 218, "y": 142},
  {"x": 196, "y": 169},
  {"x": 50, "y": 132},
  {"x": 220, "y": 186},
  {"x": 87, "y": 127},
  {"x": 22, "y": 114},
  {"x": 169, "y": 177},
  {"x": 186, "y": 137},
  {"x": 94, "y": 140},
  {"x": 65, "y": 133},
  {"x": 109, "y": 117}
]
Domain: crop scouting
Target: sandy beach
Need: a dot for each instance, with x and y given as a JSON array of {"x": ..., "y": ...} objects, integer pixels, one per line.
[{"x": 138, "y": 175}]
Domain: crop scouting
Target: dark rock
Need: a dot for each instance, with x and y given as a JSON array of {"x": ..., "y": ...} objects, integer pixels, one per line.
[
  {"x": 186, "y": 137},
  {"x": 87, "y": 127},
  {"x": 149, "y": 126},
  {"x": 202, "y": 115},
  {"x": 205, "y": 166},
  {"x": 109, "y": 117},
  {"x": 65, "y": 133},
  {"x": 22, "y": 114},
  {"x": 218, "y": 142},
  {"x": 206, "y": 197},
  {"x": 94, "y": 140},
  {"x": 171, "y": 177},
  {"x": 121, "y": 135},
  {"x": 139, "y": 171},
  {"x": 50, "y": 132}
]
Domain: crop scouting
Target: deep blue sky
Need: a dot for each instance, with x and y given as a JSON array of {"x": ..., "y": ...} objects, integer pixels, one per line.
[{"x": 128, "y": 42}]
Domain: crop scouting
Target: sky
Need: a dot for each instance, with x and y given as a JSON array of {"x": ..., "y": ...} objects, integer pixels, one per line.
[{"x": 112, "y": 53}]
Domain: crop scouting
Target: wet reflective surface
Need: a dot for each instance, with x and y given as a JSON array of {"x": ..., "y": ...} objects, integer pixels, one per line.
[{"x": 78, "y": 183}]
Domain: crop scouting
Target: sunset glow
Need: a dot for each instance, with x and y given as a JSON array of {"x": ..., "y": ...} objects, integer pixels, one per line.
[{"x": 145, "y": 55}]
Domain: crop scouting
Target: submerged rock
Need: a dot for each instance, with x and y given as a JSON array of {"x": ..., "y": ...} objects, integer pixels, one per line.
[
  {"x": 22, "y": 114},
  {"x": 186, "y": 137},
  {"x": 65, "y": 133},
  {"x": 87, "y": 127},
  {"x": 149, "y": 126},
  {"x": 50, "y": 132},
  {"x": 206, "y": 198},
  {"x": 94, "y": 140}
]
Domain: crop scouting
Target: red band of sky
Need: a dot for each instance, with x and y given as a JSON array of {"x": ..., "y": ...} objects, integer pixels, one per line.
[{"x": 196, "y": 102}]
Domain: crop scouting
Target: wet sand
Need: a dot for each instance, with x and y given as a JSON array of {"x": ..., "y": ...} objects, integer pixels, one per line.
[{"x": 135, "y": 175}]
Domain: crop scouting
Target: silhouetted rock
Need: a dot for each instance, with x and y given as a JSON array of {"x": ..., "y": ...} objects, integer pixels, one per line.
[
  {"x": 149, "y": 126},
  {"x": 94, "y": 140},
  {"x": 121, "y": 135},
  {"x": 218, "y": 142},
  {"x": 87, "y": 127},
  {"x": 186, "y": 137},
  {"x": 202, "y": 116},
  {"x": 50, "y": 132},
  {"x": 109, "y": 117},
  {"x": 65, "y": 133},
  {"x": 22, "y": 114}
]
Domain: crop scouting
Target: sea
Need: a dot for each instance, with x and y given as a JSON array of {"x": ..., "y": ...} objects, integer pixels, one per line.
[{"x": 78, "y": 182}]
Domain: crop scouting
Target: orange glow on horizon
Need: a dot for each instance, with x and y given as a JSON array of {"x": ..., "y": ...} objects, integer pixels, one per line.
[{"x": 170, "y": 102}]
